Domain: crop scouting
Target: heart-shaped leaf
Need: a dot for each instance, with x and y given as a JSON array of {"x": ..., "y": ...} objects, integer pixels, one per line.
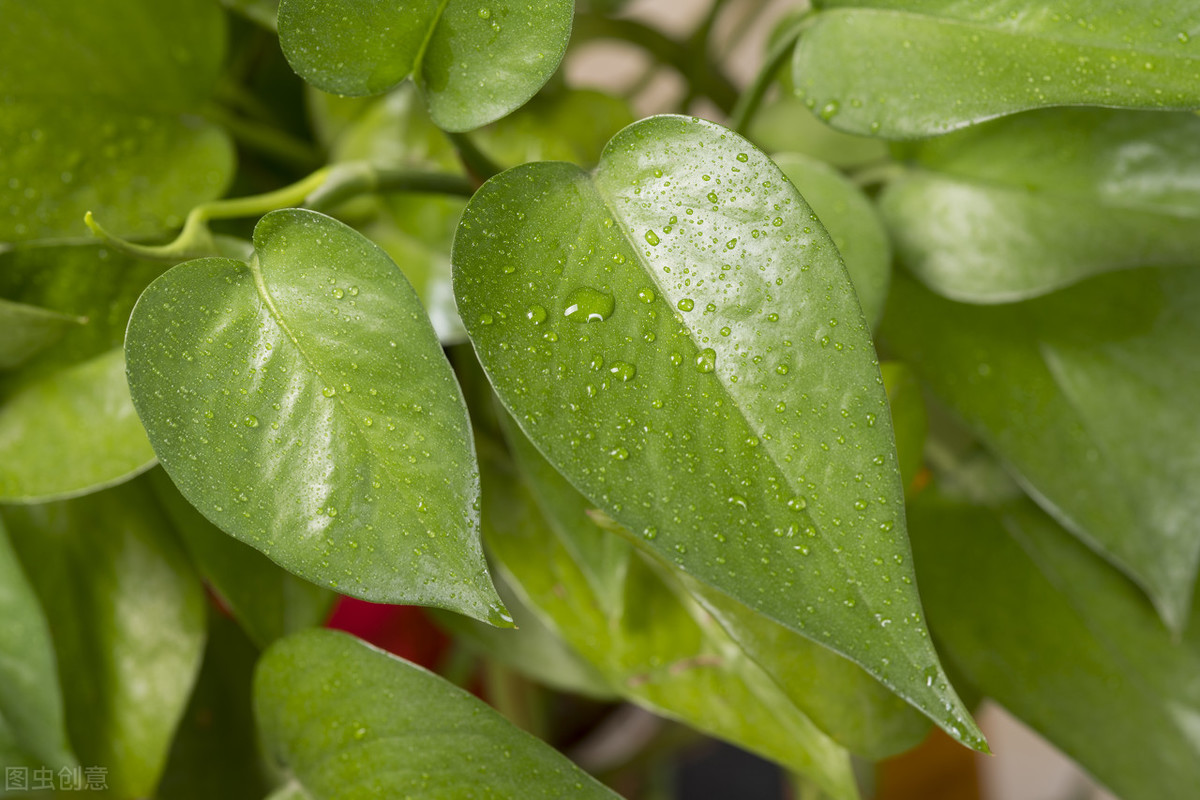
[
  {"x": 1090, "y": 396},
  {"x": 301, "y": 402},
  {"x": 1064, "y": 642},
  {"x": 900, "y": 70},
  {"x": 677, "y": 334},
  {"x": 67, "y": 424},
  {"x": 346, "y": 720},
  {"x": 109, "y": 121},
  {"x": 31, "y": 705},
  {"x": 1027, "y": 204},
  {"x": 474, "y": 62},
  {"x": 127, "y": 617},
  {"x": 651, "y": 641}
]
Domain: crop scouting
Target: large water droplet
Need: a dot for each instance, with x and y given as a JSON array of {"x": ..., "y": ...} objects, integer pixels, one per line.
[
  {"x": 623, "y": 370},
  {"x": 589, "y": 305},
  {"x": 706, "y": 360}
]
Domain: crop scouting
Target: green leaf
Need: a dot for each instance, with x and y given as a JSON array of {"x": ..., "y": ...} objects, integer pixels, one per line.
[
  {"x": 788, "y": 126},
  {"x": 707, "y": 380},
  {"x": 271, "y": 396},
  {"x": 347, "y": 720},
  {"x": 100, "y": 114},
  {"x": 67, "y": 425},
  {"x": 268, "y": 602},
  {"x": 908, "y": 417},
  {"x": 1089, "y": 395},
  {"x": 887, "y": 68},
  {"x": 28, "y": 329},
  {"x": 1062, "y": 641},
  {"x": 31, "y": 705},
  {"x": 473, "y": 63},
  {"x": 853, "y": 224},
  {"x": 126, "y": 615},
  {"x": 215, "y": 753},
  {"x": 1024, "y": 205},
  {"x": 781, "y": 681},
  {"x": 636, "y": 624}
]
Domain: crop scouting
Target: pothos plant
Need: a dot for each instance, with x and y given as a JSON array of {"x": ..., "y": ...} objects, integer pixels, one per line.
[{"x": 638, "y": 407}]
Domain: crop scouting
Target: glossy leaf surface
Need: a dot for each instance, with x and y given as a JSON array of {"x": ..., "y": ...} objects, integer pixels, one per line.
[
  {"x": 852, "y": 223},
  {"x": 1064, "y": 642},
  {"x": 267, "y": 601},
  {"x": 706, "y": 379},
  {"x": 346, "y": 720},
  {"x": 28, "y": 329},
  {"x": 1089, "y": 394},
  {"x": 1024, "y": 205},
  {"x": 473, "y": 63},
  {"x": 126, "y": 614},
  {"x": 31, "y": 705},
  {"x": 901, "y": 70},
  {"x": 303, "y": 404},
  {"x": 650, "y": 641},
  {"x": 100, "y": 113}
]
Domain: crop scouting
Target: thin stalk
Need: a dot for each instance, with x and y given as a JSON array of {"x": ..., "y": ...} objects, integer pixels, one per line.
[
  {"x": 475, "y": 160},
  {"x": 265, "y": 139}
]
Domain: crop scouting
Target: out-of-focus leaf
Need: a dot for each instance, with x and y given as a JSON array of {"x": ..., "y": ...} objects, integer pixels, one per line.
[
  {"x": 908, "y": 416},
  {"x": 899, "y": 70},
  {"x": 127, "y": 618},
  {"x": 788, "y": 126},
  {"x": 1063, "y": 641},
  {"x": 28, "y": 329},
  {"x": 215, "y": 753},
  {"x": 100, "y": 112},
  {"x": 706, "y": 379},
  {"x": 347, "y": 720},
  {"x": 67, "y": 425},
  {"x": 270, "y": 391},
  {"x": 1027, "y": 204},
  {"x": 268, "y": 601},
  {"x": 1090, "y": 396},
  {"x": 31, "y": 706},
  {"x": 473, "y": 63}
]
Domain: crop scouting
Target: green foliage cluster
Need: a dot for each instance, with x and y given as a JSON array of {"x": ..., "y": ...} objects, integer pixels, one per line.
[{"x": 638, "y": 406}]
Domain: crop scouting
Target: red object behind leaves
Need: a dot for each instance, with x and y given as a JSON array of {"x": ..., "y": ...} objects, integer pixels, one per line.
[{"x": 402, "y": 630}]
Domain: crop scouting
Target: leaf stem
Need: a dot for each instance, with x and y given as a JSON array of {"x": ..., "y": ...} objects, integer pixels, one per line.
[
  {"x": 321, "y": 191},
  {"x": 750, "y": 100},
  {"x": 695, "y": 67},
  {"x": 478, "y": 164}
]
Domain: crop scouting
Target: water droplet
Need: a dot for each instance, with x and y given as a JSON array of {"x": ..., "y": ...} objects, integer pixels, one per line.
[
  {"x": 485, "y": 13},
  {"x": 589, "y": 305},
  {"x": 726, "y": 331},
  {"x": 623, "y": 370},
  {"x": 652, "y": 238},
  {"x": 650, "y": 533},
  {"x": 829, "y": 110},
  {"x": 712, "y": 197},
  {"x": 706, "y": 360},
  {"x": 797, "y": 504},
  {"x": 742, "y": 157},
  {"x": 782, "y": 369},
  {"x": 251, "y": 421},
  {"x": 486, "y": 319},
  {"x": 737, "y": 500},
  {"x": 646, "y": 295},
  {"x": 360, "y": 734},
  {"x": 329, "y": 391},
  {"x": 686, "y": 304},
  {"x": 619, "y": 453},
  {"x": 772, "y": 317},
  {"x": 536, "y": 315},
  {"x": 339, "y": 294}
]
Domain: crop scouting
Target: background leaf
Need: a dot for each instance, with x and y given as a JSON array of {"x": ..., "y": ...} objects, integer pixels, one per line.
[
  {"x": 1024, "y": 205},
  {"x": 126, "y": 615},
  {"x": 67, "y": 424},
  {"x": 31, "y": 706},
  {"x": 28, "y": 329},
  {"x": 347, "y": 720},
  {"x": 101, "y": 113},
  {"x": 1089, "y": 395},
  {"x": 898, "y": 70},
  {"x": 473, "y": 63},
  {"x": 1063, "y": 641},
  {"x": 269, "y": 391},
  {"x": 707, "y": 379}
]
